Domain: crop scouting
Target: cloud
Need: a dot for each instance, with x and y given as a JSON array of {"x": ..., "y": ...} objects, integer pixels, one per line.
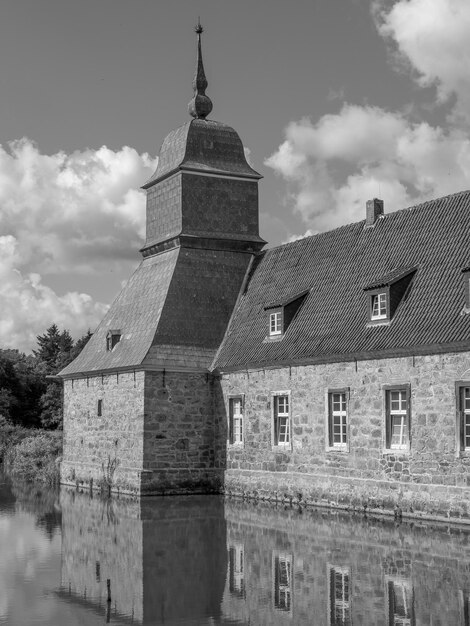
[
  {"x": 29, "y": 307},
  {"x": 69, "y": 214},
  {"x": 73, "y": 213},
  {"x": 334, "y": 166},
  {"x": 433, "y": 39}
]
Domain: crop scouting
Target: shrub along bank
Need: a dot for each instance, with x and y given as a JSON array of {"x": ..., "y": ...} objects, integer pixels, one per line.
[{"x": 29, "y": 454}]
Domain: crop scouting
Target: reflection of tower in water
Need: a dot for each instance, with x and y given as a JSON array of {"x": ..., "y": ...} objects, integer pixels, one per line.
[{"x": 165, "y": 558}]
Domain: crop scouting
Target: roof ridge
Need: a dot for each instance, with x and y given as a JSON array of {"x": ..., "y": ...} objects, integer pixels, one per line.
[{"x": 383, "y": 216}]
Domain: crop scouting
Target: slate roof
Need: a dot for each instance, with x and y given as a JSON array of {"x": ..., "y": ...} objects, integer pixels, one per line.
[
  {"x": 203, "y": 145},
  {"x": 336, "y": 266},
  {"x": 136, "y": 311}
]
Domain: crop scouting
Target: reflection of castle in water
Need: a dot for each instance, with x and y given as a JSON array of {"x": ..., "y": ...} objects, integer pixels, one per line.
[{"x": 200, "y": 560}]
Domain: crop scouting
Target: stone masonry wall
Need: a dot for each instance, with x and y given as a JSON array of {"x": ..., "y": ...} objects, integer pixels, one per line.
[
  {"x": 180, "y": 444},
  {"x": 93, "y": 444},
  {"x": 433, "y": 478}
]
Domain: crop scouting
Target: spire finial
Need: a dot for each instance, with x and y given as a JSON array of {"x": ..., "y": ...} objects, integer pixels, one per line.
[{"x": 200, "y": 105}]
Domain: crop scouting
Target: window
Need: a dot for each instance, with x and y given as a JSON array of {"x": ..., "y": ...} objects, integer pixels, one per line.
[
  {"x": 339, "y": 595},
  {"x": 397, "y": 401},
  {"x": 379, "y": 306},
  {"x": 275, "y": 323},
  {"x": 100, "y": 408},
  {"x": 338, "y": 419},
  {"x": 113, "y": 337},
  {"x": 282, "y": 566},
  {"x": 386, "y": 294},
  {"x": 400, "y": 602},
  {"x": 463, "y": 411},
  {"x": 464, "y": 602},
  {"x": 281, "y": 420},
  {"x": 236, "y": 420},
  {"x": 236, "y": 560}
]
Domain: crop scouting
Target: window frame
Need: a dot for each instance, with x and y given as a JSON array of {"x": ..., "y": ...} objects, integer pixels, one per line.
[
  {"x": 461, "y": 448},
  {"x": 387, "y": 411},
  {"x": 231, "y": 430},
  {"x": 281, "y": 592},
  {"x": 376, "y": 293},
  {"x": 392, "y": 585},
  {"x": 343, "y": 570},
  {"x": 278, "y": 316},
  {"x": 283, "y": 445},
  {"x": 330, "y": 445}
]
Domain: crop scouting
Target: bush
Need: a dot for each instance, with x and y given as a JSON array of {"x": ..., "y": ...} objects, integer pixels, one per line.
[
  {"x": 11, "y": 435},
  {"x": 35, "y": 458}
]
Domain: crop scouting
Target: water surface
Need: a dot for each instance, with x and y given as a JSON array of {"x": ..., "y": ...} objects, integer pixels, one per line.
[{"x": 205, "y": 561}]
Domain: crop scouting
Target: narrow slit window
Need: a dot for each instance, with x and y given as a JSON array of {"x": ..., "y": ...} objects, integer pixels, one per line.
[
  {"x": 236, "y": 420},
  {"x": 338, "y": 420},
  {"x": 100, "y": 408},
  {"x": 281, "y": 420}
]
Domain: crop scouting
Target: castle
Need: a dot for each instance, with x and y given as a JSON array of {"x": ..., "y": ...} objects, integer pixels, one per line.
[{"x": 334, "y": 369}]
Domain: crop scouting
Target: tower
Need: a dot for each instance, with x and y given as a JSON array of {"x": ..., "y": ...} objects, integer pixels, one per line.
[{"x": 138, "y": 401}]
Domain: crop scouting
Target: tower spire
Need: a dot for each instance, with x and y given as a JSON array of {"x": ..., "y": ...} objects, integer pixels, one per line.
[{"x": 200, "y": 105}]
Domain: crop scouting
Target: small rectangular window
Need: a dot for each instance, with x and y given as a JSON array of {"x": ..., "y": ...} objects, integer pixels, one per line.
[
  {"x": 339, "y": 592},
  {"x": 463, "y": 402},
  {"x": 338, "y": 420},
  {"x": 275, "y": 323},
  {"x": 397, "y": 418},
  {"x": 379, "y": 306},
  {"x": 100, "y": 408},
  {"x": 282, "y": 566},
  {"x": 236, "y": 420},
  {"x": 281, "y": 420}
]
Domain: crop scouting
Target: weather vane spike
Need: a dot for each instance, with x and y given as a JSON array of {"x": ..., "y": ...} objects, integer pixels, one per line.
[{"x": 201, "y": 105}]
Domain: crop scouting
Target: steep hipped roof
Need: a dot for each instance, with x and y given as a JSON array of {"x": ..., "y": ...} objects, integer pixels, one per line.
[
  {"x": 202, "y": 145},
  {"x": 136, "y": 311},
  {"x": 336, "y": 266}
]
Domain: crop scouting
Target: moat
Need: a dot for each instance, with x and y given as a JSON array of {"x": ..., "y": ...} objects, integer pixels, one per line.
[{"x": 208, "y": 561}]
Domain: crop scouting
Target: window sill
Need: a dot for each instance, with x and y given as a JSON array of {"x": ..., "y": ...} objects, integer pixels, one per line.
[
  {"x": 383, "y": 322},
  {"x": 281, "y": 446},
  {"x": 342, "y": 449},
  {"x": 236, "y": 445},
  {"x": 396, "y": 451},
  {"x": 273, "y": 338}
]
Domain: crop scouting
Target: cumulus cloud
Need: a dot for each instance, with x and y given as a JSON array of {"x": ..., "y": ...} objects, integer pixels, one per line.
[
  {"x": 28, "y": 306},
  {"x": 79, "y": 213},
  {"x": 433, "y": 38},
  {"x": 333, "y": 165},
  {"x": 73, "y": 212}
]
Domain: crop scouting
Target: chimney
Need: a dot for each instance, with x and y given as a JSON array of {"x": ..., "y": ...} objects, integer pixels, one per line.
[{"x": 374, "y": 209}]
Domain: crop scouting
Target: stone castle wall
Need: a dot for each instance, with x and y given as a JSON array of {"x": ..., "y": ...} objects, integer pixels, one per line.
[
  {"x": 431, "y": 478},
  {"x": 94, "y": 444},
  {"x": 180, "y": 440}
]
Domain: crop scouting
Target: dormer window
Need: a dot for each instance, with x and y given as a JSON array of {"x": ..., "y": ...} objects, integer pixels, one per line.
[
  {"x": 275, "y": 323},
  {"x": 385, "y": 294},
  {"x": 281, "y": 313},
  {"x": 466, "y": 287},
  {"x": 113, "y": 337},
  {"x": 379, "y": 306}
]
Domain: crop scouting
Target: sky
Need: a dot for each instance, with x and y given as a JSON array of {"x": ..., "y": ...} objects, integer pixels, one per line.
[{"x": 337, "y": 101}]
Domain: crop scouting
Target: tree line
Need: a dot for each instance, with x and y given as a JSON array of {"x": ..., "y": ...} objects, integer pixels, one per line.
[{"x": 27, "y": 397}]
